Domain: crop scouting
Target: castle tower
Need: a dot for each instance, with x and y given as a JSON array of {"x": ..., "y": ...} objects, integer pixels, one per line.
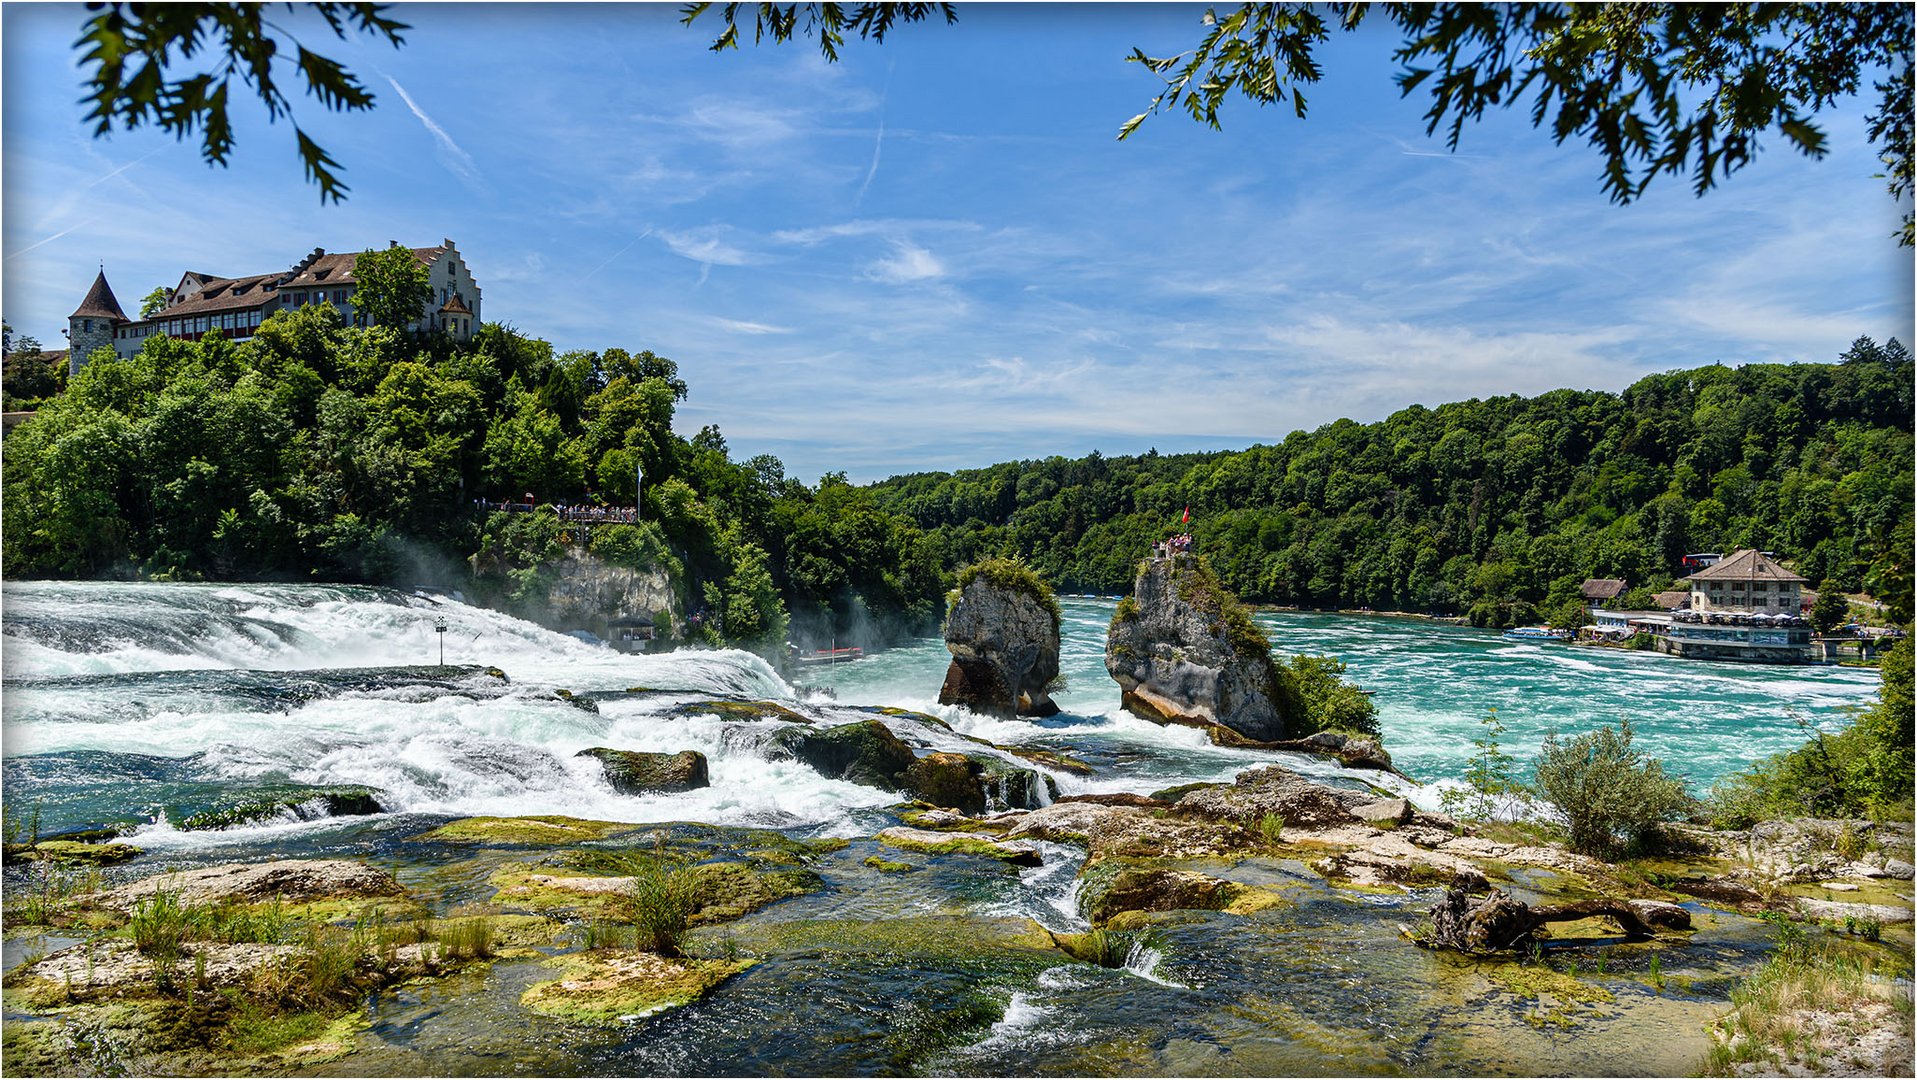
[{"x": 91, "y": 325}]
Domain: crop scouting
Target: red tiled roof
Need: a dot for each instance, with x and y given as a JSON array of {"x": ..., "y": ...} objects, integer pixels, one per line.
[
  {"x": 100, "y": 302},
  {"x": 337, "y": 268},
  {"x": 1746, "y": 565},
  {"x": 456, "y": 306},
  {"x": 225, "y": 294}
]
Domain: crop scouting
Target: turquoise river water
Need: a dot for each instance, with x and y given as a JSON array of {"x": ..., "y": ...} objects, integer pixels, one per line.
[{"x": 144, "y": 703}]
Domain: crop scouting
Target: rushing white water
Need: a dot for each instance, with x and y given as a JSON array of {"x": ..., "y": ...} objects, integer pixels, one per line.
[
  {"x": 130, "y": 701},
  {"x": 124, "y": 700}
]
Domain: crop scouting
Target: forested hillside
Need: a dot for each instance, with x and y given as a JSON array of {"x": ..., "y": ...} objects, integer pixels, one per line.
[
  {"x": 1496, "y": 508},
  {"x": 319, "y": 451}
]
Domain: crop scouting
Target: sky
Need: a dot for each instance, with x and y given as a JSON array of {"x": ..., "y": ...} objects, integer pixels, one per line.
[{"x": 935, "y": 254}]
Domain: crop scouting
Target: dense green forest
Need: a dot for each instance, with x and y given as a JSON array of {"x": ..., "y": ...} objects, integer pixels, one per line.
[
  {"x": 1497, "y": 508},
  {"x": 320, "y": 451}
]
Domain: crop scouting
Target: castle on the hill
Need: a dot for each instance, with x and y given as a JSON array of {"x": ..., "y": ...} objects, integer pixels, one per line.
[{"x": 203, "y": 303}]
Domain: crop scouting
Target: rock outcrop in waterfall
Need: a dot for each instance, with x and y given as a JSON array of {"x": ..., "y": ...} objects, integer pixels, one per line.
[
  {"x": 1185, "y": 651},
  {"x": 1002, "y": 628}
]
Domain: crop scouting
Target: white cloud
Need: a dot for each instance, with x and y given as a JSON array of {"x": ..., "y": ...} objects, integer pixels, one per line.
[
  {"x": 738, "y": 326},
  {"x": 908, "y": 263},
  {"x": 706, "y": 245}
]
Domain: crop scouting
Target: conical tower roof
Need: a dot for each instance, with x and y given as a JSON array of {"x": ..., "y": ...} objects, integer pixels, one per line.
[{"x": 100, "y": 303}]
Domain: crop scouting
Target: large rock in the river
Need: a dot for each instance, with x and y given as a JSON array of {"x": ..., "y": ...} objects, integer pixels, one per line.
[
  {"x": 974, "y": 783},
  {"x": 864, "y": 753},
  {"x": 1185, "y": 651},
  {"x": 1002, "y": 630},
  {"x": 636, "y": 772}
]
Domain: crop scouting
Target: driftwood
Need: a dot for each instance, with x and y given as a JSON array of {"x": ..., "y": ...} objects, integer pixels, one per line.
[{"x": 1497, "y": 922}]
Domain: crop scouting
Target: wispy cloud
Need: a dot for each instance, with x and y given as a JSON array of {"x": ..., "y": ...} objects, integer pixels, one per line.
[
  {"x": 451, "y": 154},
  {"x": 738, "y": 326},
  {"x": 908, "y": 263},
  {"x": 706, "y": 245}
]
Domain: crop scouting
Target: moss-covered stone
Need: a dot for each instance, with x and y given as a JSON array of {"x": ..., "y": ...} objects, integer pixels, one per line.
[
  {"x": 1109, "y": 887},
  {"x": 610, "y": 987},
  {"x": 933, "y": 843},
  {"x": 637, "y": 772},
  {"x": 741, "y": 711},
  {"x": 72, "y": 851},
  {"x": 864, "y": 753},
  {"x": 539, "y": 831},
  {"x": 718, "y": 891},
  {"x": 250, "y": 806},
  {"x": 887, "y": 866}
]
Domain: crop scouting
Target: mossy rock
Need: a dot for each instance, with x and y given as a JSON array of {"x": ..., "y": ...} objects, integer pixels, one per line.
[
  {"x": 719, "y": 891},
  {"x": 864, "y": 753},
  {"x": 907, "y": 714},
  {"x": 742, "y": 711},
  {"x": 638, "y": 772},
  {"x": 1173, "y": 794},
  {"x": 1052, "y": 759},
  {"x": 1110, "y": 887},
  {"x": 932, "y": 843},
  {"x": 610, "y": 987},
  {"x": 887, "y": 866},
  {"x": 73, "y": 851},
  {"x": 248, "y": 807},
  {"x": 551, "y": 830}
]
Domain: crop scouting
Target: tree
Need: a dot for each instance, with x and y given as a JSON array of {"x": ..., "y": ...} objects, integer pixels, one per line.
[
  {"x": 393, "y": 286},
  {"x": 154, "y": 301},
  {"x": 1832, "y": 608},
  {"x": 135, "y": 51},
  {"x": 29, "y": 373},
  {"x": 1655, "y": 88}
]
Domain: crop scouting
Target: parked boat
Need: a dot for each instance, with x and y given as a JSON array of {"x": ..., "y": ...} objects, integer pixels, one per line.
[
  {"x": 1534, "y": 633},
  {"x": 830, "y": 656}
]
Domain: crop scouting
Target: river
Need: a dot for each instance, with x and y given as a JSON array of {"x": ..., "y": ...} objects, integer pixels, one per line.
[{"x": 144, "y": 703}]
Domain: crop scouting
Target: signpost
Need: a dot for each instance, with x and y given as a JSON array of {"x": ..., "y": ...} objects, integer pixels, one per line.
[{"x": 439, "y": 627}]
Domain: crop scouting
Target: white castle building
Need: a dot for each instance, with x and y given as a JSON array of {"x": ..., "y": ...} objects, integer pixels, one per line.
[{"x": 203, "y": 303}]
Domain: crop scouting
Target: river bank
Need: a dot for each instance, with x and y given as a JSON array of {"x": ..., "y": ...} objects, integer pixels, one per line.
[
  {"x": 223, "y": 725},
  {"x": 1164, "y": 936}
]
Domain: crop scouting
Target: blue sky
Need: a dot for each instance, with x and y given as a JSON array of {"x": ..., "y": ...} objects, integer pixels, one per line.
[{"x": 935, "y": 255}]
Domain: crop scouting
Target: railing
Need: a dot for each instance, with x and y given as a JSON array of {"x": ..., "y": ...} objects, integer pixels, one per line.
[{"x": 580, "y": 514}]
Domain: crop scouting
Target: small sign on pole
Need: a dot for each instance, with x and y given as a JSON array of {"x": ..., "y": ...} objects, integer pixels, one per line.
[{"x": 439, "y": 627}]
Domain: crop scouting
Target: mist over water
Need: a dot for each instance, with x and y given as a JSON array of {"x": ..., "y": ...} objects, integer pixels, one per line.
[{"x": 148, "y": 701}]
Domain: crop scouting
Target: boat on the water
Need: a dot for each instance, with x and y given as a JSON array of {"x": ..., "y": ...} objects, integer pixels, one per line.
[
  {"x": 830, "y": 656},
  {"x": 1534, "y": 633}
]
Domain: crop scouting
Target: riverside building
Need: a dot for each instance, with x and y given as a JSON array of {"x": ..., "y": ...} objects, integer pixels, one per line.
[
  {"x": 236, "y": 306},
  {"x": 1741, "y": 606}
]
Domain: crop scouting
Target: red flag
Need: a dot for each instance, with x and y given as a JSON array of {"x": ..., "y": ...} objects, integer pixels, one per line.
[{"x": 1186, "y": 520}]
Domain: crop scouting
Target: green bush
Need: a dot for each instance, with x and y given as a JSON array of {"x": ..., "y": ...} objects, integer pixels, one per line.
[
  {"x": 1613, "y": 798},
  {"x": 659, "y": 902},
  {"x": 1015, "y": 576},
  {"x": 1328, "y": 702},
  {"x": 1864, "y": 770}
]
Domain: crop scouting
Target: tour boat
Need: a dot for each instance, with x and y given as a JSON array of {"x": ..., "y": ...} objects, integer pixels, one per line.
[{"x": 1534, "y": 633}]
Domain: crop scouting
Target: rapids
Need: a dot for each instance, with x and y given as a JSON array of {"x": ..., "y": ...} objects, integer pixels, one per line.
[{"x": 143, "y": 703}]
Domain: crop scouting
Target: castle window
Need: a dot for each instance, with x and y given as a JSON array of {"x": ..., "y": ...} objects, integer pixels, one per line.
[{"x": 87, "y": 325}]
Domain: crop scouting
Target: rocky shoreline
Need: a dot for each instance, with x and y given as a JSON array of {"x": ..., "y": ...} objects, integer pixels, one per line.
[{"x": 566, "y": 895}]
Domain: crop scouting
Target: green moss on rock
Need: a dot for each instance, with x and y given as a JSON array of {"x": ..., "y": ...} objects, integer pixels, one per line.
[
  {"x": 610, "y": 987},
  {"x": 542, "y": 831}
]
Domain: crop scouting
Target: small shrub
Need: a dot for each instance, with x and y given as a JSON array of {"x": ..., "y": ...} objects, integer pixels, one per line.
[
  {"x": 1612, "y": 798},
  {"x": 1272, "y": 828},
  {"x": 659, "y": 903},
  {"x": 468, "y": 938},
  {"x": 1491, "y": 776},
  {"x": 159, "y": 927}
]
